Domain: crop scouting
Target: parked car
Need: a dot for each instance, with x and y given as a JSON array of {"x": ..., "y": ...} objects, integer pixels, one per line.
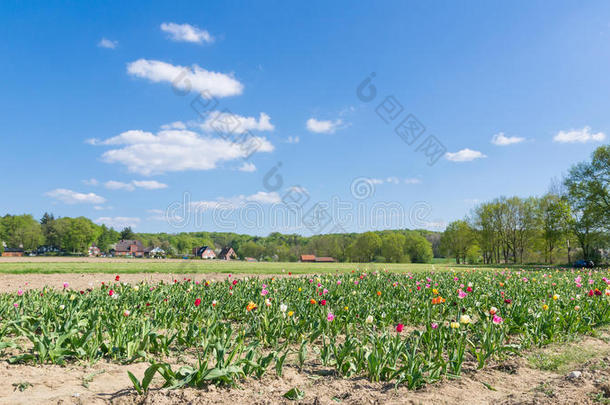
[{"x": 584, "y": 263}]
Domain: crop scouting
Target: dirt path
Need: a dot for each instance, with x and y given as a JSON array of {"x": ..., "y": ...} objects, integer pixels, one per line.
[
  {"x": 513, "y": 382},
  {"x": 13, "y": 282}
]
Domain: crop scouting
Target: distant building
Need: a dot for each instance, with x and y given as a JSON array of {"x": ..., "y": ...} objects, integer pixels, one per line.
[
  {"x": 130, "y": 247},
  {"x": 227, "y": 253},
  {"x": 250, "y": 259},
  {"x": 314, "y": 259},
  {"x": 204, "y": 252},
  {"x": 12, "y": 252},
  {"x": 157, "y": 252},
  {"x": 94, "y": 250}
]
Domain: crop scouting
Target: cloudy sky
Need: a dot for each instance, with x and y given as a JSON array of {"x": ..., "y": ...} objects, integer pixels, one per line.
[{"x": 213, "y": 115}]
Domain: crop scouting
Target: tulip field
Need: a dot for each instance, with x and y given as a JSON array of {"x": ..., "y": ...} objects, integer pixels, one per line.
[{"x": 409, "y": 329}]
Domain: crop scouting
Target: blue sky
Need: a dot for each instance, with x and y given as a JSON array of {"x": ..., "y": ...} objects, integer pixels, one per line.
[{"x": 92, "y": 124}]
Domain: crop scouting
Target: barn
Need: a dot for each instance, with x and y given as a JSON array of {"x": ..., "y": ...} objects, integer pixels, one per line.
[{"x": 12, "y": 252}]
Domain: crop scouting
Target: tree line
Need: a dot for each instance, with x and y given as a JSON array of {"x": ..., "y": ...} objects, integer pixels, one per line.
[
  {"x": 571, "y": 221},
  {"x": 75, "y": 236}
]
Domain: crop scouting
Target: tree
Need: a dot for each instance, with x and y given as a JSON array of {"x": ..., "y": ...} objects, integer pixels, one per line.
[
  {"x": 554, "y": 218},
  {"x": 127, "y": 233},
  {"x": 393, "y": 247},
  {"x": 366, "y": 246},
  {"x": 251, "y": 249},
  {"x": 21, "y": 231},
  {"x": 76, "y": 234},
  {"x": 456, "y": 240},
  {"x": 107, "y": 237},
  {"x": 418, "y": 248},
  {"x": 588, "y": 185}
]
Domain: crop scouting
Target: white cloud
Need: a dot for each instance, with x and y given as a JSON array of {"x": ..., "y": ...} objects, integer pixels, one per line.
[
  {"x": 262, "y": 197},
  {"x": 107, "y": 43},
  {"x": 247, "y": 167},
  {"x": 185, "y": 78},
  {"x": 117, "y": 185},
  {"x": 149, "y": 184},
  {"x": 293, "y": 139},
  {"x": 91, "y": 182},
  {"x": 226, "y": 122},
  {"x": 502, "y": 140},
  {"x": 186, "y": 33},
  {"x": 579, "y": 136},
  {"x": 323, "y": 127},
  {"x": 131, "y": 186},
  {"x": 118, "y": 222},
  {"x": 174, "y": 125},
  {"x": 176, "y": 150},
  {"x": 73, "y": 197},
  {"x": 394, "y": 180},
  {"x": 464, "y": 155}
]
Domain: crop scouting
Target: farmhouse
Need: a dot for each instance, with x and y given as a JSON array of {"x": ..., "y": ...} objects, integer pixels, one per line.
[
  {"x": 130, "y": 247},
  {"x": 227, "y": 253},
  {"x": 12, "y": 252},
  {"x": 314, "y": 259},
  {"x": 204, "y": 252}
]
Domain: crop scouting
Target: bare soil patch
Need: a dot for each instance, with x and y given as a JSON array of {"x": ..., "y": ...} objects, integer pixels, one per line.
[
  {"x": 514, "y": 381},
  {"x": 13, "y": 282}
]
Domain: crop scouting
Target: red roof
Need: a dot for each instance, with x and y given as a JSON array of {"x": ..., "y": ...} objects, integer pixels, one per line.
[{"x": 308, "y": 258}]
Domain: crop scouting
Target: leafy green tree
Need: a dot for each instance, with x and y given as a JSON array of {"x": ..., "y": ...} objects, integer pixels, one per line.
[
  {"x": 393, "y": 247},
  {"x": 107, "y": 237},
  {"x": 251, "y": 249},
  {"x": 76, "y": 234},
  {"x": 588, "y": 185},
  {"x": 366, "y": 246},
  {"x": 554, "y": 218},
  {"x": 127, "y": 233},
  {"x": 456, "y": 240},
  {"x": 21, "y": 231},
  {"x": 418, "y": 248}
]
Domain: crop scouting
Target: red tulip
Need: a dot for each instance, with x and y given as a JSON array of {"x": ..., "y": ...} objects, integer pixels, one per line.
[
  {"x": 399, "y": 327},
  {"x": 198, "y": 302}
]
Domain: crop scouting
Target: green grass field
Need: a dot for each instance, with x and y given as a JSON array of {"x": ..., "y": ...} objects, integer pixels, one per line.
[{"x": 200, "y": 266}]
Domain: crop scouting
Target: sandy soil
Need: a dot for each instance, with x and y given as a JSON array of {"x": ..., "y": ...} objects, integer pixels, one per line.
[
  {"x": 513, "y": 382},
  {"x": 13, "y": 282}
]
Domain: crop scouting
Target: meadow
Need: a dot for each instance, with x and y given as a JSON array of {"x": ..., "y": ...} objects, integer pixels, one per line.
[
  {"x": 67, "y": 265},
  {"x": 410, "y": 329}
]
